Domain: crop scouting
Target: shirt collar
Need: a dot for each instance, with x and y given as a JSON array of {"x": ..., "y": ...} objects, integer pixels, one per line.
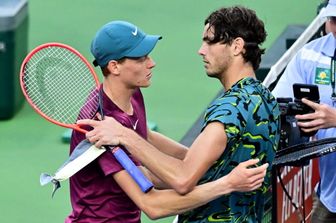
[{"x": 329, "y": 45}]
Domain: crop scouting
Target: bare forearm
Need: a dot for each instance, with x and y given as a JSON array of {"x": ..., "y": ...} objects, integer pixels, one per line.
[
  {"x": 180, "y": 174},
  {"x": 158, "y": 183},
  {"x": 168, "y": 202},
  {"x": 167, "y": 145},
  {"x": 161, "y": 203},
  {"x": 167, "y": 168}
]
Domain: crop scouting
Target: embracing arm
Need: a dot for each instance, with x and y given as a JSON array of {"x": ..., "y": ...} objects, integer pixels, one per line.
[
  {"x": 181, "y": 175},
  {"x": 158, "y": 183},
  {"x": 162, "y": 203}
]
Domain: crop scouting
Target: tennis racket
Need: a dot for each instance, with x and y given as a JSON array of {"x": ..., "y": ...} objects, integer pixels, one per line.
[{"x": 62, "y": 87}]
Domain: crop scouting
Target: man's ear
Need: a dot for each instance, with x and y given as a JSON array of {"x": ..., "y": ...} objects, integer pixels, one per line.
[
  {"x": 113, "y": 67},
  {"x": 238, "y": 45}
]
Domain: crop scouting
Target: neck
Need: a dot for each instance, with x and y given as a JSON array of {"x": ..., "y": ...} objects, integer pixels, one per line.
[
  {"x": 120, "y": 95},
  {"x": 236, "y": 73}
]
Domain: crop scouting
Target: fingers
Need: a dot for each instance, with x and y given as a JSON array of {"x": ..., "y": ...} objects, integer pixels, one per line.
[
  {"x": 89, "y": 122},
  {"x": 253, "y": 183},
  {"x": 99, "y": 117},
  {"x": 309, "y": 116},
  {"x": 263, "y": 168},
  {"x": 93, "y": 138},
  {"x": 252, "y": 171},
  {"x": 307, "y": 130},
  {"x": 100, "y": 139},
  {"x": 309, "y": 124},
  {"x": 258, "y": 169},
  {"x": 104, "y": 132},
  {"x": 96, "y": 140},
  {"x": 257, "y": 183},
  {"x": 98, "y": 144},
  {"x": 311, "y": 104},
  {"x": 256, "y": 186},
  {"x": 258, "y": 173},
  {"x": 250, "y": 163},
  {"x": 247, "y": 177}
]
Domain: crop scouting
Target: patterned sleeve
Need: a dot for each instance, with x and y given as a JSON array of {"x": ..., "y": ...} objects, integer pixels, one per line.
[{"x": 229, "y": 113}]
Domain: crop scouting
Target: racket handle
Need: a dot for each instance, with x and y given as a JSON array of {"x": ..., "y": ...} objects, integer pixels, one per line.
[{"x": 132, "y": 169}]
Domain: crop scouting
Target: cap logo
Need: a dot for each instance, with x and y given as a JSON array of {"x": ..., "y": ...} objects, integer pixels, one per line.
[{"x": 135, "y": 32}]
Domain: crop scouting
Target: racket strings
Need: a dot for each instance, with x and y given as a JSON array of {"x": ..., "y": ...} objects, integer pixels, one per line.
[{"x": 60, "y": 85}]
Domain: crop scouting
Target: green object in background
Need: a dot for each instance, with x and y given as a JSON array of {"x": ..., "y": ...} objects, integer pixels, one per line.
[
  {"x": 13, "y": 49},
  {"x": 152, "y": 126},
  {"x": 66, "y": 136}
]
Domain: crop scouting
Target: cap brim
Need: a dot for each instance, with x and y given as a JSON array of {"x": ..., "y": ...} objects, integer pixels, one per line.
[
  {"x": 144, "y": 47},
  {"x": 330, "y": 10}
]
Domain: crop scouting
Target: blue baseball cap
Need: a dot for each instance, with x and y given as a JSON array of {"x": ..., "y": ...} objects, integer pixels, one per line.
[
  {"x": 330, "y": 10},
  {"x": 118, "y": 39}
]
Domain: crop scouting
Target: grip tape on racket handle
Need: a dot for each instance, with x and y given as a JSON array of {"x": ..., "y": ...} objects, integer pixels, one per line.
[{"x": 132, "y": 169}]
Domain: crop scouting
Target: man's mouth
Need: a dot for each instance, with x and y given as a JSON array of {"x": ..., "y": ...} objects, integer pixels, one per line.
[{"x": 148, "y": 76}]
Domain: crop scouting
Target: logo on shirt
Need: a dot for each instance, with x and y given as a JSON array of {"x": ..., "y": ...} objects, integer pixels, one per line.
[
  {"x": 135, "y": 124},
  {"x": 322, "y": 76}
]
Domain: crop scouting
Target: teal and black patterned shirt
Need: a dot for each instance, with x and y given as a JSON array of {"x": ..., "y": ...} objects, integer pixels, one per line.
[{"x": 250, "y": 115}]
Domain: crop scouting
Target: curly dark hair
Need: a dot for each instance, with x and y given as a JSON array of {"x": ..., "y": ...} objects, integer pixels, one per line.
[{"x": 238, "y": 21}]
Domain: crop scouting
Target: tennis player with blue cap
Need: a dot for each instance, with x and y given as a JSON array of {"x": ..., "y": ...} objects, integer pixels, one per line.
[
  {"x": 103, "y": 191},
  {"x": 122, "y": 50}
]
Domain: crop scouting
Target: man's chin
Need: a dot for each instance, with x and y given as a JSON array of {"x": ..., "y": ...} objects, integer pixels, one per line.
[
  {"x": 212, "y": 75},
  {"x": 145, "y": 85}
]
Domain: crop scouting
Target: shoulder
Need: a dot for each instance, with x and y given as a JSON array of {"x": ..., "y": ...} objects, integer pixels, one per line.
[
  {"x": 318, "y": 41},
  {"x": 227, "y": 109},
  {"x": 320, "y": 44}
]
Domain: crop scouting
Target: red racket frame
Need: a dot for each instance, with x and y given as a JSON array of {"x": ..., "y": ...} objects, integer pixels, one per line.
[{"x": 29, "y": 56}]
